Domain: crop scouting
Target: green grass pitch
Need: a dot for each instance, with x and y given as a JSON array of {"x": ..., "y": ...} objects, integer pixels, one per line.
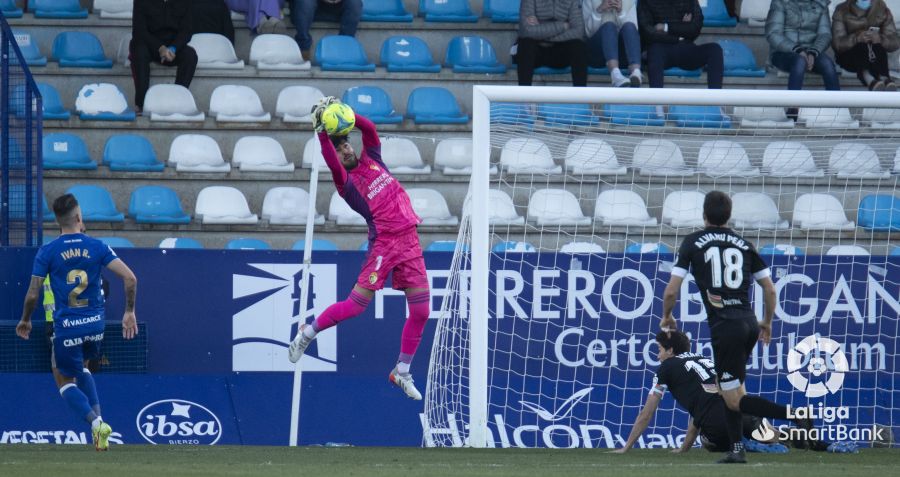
[{"x": 174, "y": 461}]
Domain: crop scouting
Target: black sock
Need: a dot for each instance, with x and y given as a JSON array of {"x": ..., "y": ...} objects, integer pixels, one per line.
[
  {"x": 734, "y": 422},
  {"x": 760, "y": 407}
]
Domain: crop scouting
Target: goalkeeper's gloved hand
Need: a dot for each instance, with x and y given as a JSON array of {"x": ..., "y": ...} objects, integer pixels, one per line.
[
  {"x": 316, "y": 113},
  {"x": 328, "y": 100}
]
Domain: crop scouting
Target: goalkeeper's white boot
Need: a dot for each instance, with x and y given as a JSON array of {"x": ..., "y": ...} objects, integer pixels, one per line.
[
  {"x": 405, "y": 382},
  {"x": 299, "y": 345}
]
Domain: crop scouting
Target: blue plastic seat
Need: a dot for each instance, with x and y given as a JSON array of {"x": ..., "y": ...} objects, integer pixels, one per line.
[
  {"x": 408, "y": 54},
  {"x": 716, "y": 15},
  {"x": 130, "y": 152},
  {"x": 29, "y": 48},
  {"x": 96, "y": 203},
  {"x": 434, "y": 105},
  {"x": 548, "y": 70},
  {"x": 649, "y": 247},
  {"x": 79, "y": 49},
  {"x": 895, "y": 251},
  {"x": 180, "y": 242},
  {"x": 66, "y": 151},
  {"x": 502, "y": 11},
  {"x": 9, "y": 9},
  {"x": 116, "y": 242},
  {"x": 683, "y": 73},
  {"x": 247, "y": 244},
  {"x": 598, "y": 70},
  {"x": 317, "y": 245},
  {"x": 512, "y": 113},
  {"x": 473, "y": 54},
  {"x": 342, "y": 53},
  {"x": 513, "y": 246},
  {"x": 566, "y": 115},
  {"x": 156, "y": 205},
  {"x": 633, "y": 115},
  {"x": 879, "y": 213},
  {"x": 57, "y": 9},
  {"x": 452, "y": 11},
  {"x": 780, "y": 249},
  {"x": 52, "y": 104},
  {"x": 385, "y": 11},
  {"x": 699, "y": 117},
  {"x": 444, "y": 246},
  {"x": 373, "y": 103},
  {"x": 739, "y": 60}
]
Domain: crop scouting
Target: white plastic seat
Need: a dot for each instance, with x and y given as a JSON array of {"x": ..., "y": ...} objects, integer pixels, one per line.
[
  {"x": 790, "y": 159},
  {"x": 501, "y": 210},
  {"x": 851, "y": 159},
  {"x": 171, "y": 102},
  {"x": 214, "y": 51},
  {"x": 763, "y": 117},
  {"x": 827, "y": 118},
  {"x": 820, "y": 212},
  {"x": 114, "y": 8},
  {"x": 260, "y": 153},
  {"x": 402, "y": 156},
  {"x": 431, "y": 207},
  {"x": 725, "y": 158},
  {"x": 100, "y": 98},
  {"x": 223, "y": 205},
  {"x": 295, "y": 103},
  {"x": 754, "y": 210},
  {"x": 581, "y": 247},
  {"x": 237, "y": 103},
  {"x": 847, "y": 250},
  {"x": 683, "y": 209},
  {"x": 277, "y": 52},
  {"x": 882, "y": 118},
  {"x": 556, "y": 207},
  {"x": 592, "y": 156},
  {"x": 453, "y": 156},
  {"x": 527, "y": 156},
  {"x": 659, "y": 157},
  {"x": 287, "y": 206},
  {"x": 312, "y": 151},
  {"x": 622, "y": 207},
  {"x": 340, "y": 212},
  {"x": 755, "y": 12},
  {"x": 197, "y": 153}
]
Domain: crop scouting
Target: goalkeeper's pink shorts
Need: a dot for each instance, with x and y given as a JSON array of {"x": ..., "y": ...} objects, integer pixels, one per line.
[{"x": 400, "y": 254}]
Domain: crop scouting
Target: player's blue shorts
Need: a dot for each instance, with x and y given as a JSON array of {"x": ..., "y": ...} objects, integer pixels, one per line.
[{"x": 70, "y": 352}]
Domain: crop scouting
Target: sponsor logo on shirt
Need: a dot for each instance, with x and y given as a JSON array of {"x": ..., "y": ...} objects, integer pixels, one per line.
[{"x": 373, "y": 277}]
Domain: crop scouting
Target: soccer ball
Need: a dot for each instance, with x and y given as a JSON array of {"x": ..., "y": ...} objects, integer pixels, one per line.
[{"x": 338, "y": 119}]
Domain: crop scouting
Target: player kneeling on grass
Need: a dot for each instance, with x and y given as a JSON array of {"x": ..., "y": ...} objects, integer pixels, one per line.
[
  {"x": 369, "y": 188},
  {"x": 74, "y": 261}
]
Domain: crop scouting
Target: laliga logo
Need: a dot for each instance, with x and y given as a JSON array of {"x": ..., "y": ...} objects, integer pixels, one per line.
[
  {"x": 764, "y": 433},
  {"x": 174, "y": 421},
  {"x": 563, "y": 410},
  {"x": 806, "y": 355}
]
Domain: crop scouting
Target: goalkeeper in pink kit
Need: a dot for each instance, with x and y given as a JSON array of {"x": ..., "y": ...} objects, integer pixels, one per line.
[{"x": 369, "y": 188}]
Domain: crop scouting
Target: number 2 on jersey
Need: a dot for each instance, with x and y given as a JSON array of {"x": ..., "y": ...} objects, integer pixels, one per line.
[
  {"x": 733, "y": 270},
  {"x": 81, "y": 278}
]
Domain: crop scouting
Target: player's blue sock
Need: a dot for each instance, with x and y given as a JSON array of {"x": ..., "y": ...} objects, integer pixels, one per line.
[
  {"x": 86, "y": 384},
  {"x": 78, "y": 402}
]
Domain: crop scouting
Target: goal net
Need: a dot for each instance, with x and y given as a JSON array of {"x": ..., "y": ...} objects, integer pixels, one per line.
[{"x": 579, "y": 198}]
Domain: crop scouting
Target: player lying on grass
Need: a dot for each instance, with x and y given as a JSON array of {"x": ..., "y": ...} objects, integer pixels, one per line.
[
  {"x": 74, "y": 262},
  {"x": 369, "y": 188}
]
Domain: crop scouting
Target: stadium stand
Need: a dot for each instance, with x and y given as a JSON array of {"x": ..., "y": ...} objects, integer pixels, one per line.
[
  {"x": 156, "y": 205},
  {"x": 287, "y": 206},
  {"x": 373, "y": 103},
  {"x": 633, "y": 115},
  {"x": 277, "y": 52},
  {"x": 659, "y": 157},
  {"x": 223, "y": 205},
  {"x": 472, "y": 54},
  {"x": 455, "y": 11},
  {"x": 29, "y": 48},
  {"x": 521, "y": 155},
  {"x": 453, "y": 156},
  {"x": 52, "y": 106},
  {"x": 502, "y": 11},
  {"x": 130, "y": 152},
  {"x": 79, "y": 49},
  {"x": 725, "y": 158},
  {"x": 197, "y": 153},
  {"x": 755, "y": 210},
  {"x": 622, "y": 207},
  {"x": 555, "y": 207},
  {"x": 62, "y": 9},
  {"x": 295, "y": 102},
  {"x": 260, "y": 154},
  {"x": 683, "y": 209},
  {"x": 716, "y": 15},
  {"x": 385, "y": 11},
  {"x": 66, "y": 151},
  {"x": 699, "y": 117},
  {"x": 879, "y": 213},
  {"x": 592, "y": 156},
  {"x": 431, "y": 207},
  {"x": 102, "y": 102},
  {"x": 237, "y": 103},
  {"x": 120, "y": 9},
  {"x": 96, "y": 203},
  {"x": 171, "y": 102},
  {"x": 434, "y": 105},
  {"x": 402, "y": 156},
  {"x": 10, "y": 9},
  {"x": 566, "y": 115},
  {"x": 820, "y": 212},
  {"x": 502, "y": 211},
  {"x": 855, "y": 160},
  {"x": 739, "y": 60},
  {"x": 342, "y": 53},
  {"x": 214, "y": 51},
  {"x": 789, "y": 159},
  {"x": 407, "y": 54}
]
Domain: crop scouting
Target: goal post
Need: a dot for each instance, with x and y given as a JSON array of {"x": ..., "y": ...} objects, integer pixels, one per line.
[{"x": 497, "y": 377}]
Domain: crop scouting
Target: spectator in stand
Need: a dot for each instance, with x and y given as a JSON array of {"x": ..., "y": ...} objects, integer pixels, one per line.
[
  {"x": 160, "y": 33},
  {"x": 304, "y": 12},
  {"x": 863, "y": 33},
  {"x": 668, "y": 30},
  {"x": 607, "y": 23},
  {"x": 799, "y": 32},
  {"x": 551, "y": 33},
  {"x": 212, "y": 16},
  {"x": 262, "y": 16}
]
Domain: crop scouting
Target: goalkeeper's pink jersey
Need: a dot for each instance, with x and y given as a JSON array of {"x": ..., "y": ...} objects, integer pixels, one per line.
[{"x": 369, "y": 188}]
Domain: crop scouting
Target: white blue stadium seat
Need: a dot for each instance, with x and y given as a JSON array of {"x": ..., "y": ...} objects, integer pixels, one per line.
[
  {"x": 688, "y": 116},
  {"x": 855, "y": 160},
  {"x": 882, "y": 118},
  {"x": 683, "y": 209},
  {"x": 452, "y": 11},
  {"x": 511, "y": 246},
  {"x": 407, "y": 53},
  {"x": 501, "y": 210},
  {"x": 581, "y": 248},
  {"x": 879, "y": 213},
  {"x": 29, "y": 48},
  {"x": 619, "y": 207},
  {"x": 130, "y": 152},
  {"x": 66, "y": 151},
  {"x": 277, "y": 52},
  {"x": 385, "y": 11},
  {"x": 754, "y": 210},
  {"x": 724, "y": 158},
  {"x": 247, "y": 244},
  {"x": 648, "y": 247},
  {"x": 847, "y": 250},
  {"x": 820, "y": 212},
  {"x": 321, "y": 245},
  {"x": 659, "y": 157},
  {"x": 120, "y": 9},
  {"x": 67, "y": 9},
  {"x": 567, "y": 115},
  {"x": 312, "y": 151},
  {"x": 431, "y": 207},
  {"x": 180, "y": 242},
  {"x": 754, "y": 12},
  {"x": 223, "y": 205},
  {"x": 443, "y": 246},
  {"x": 526, "y": 155},
  {"x": 103, "y": 102},
  {"x": 502, "y": 11},
  {"x": 196, "y": 153},
  {"x": 827, "y": 118},
  {"x": 79, "y": 49},
  {"x": 473, "y": 54},
  {"x": 116, "y": 242},
  {"x": 156, "y": 205},
  {"x": 633, "y": 115},
  {"x": 763, "y": 117},
  {"x": 402, "y": 156},
  {"x": 515, "y": 114},
  {"x": 237, "y": 103},
  {"x": 288, "y": 206},
  {"x": 214, "y": 51},
  {"x": 592, "y": 156},
  {"x": 549, "y": 207},
  {"x": 171, "y": 102},
  {"x": 10, "y": 9},
  {"x": 739, "y": 60},
  {"x": 295, "y": 103},
  {"x": 340, "y": 212},
  {"x": 260, "y": 154},
  {"x": 373, "y": 103},
  {"x": 790, "y": 159},
  {"x": 434, "y": 105},
  {"x": 96, "y": 203},
  {"x": 716, "y": 15},
  {"x": 780, "y": 249},
  {"x": 342, "y": 53}
]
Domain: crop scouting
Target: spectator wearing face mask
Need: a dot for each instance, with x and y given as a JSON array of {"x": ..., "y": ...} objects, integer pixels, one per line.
[{"x": 863, "y": 33}]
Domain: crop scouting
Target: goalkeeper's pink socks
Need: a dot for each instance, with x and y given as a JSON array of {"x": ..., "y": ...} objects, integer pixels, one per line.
[
  {"x": 340, "y": 311},
  {"x": 419, "y": 307}
]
